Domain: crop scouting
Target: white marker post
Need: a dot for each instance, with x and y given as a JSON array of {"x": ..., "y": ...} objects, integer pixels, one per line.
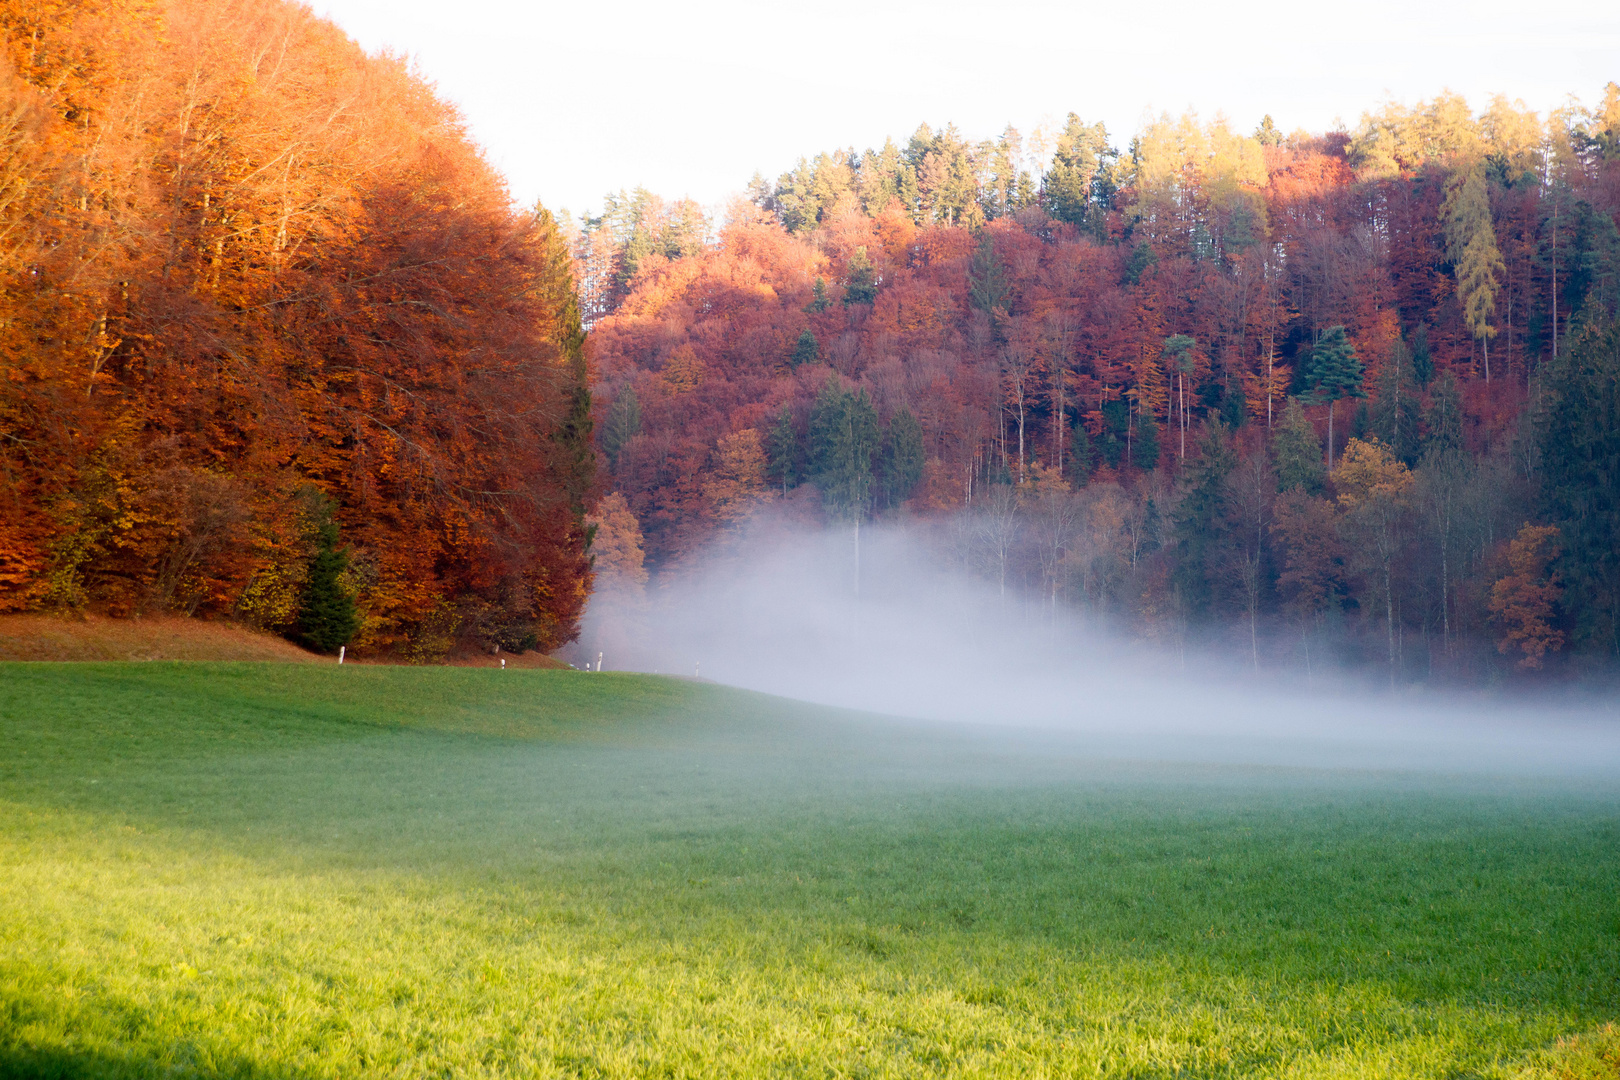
[
  {"x": 503, "y": 663},
  {"x": 341, "y": 650},
  {"x": 697, "y": 666},
  {"x": 598, "y": 662}
]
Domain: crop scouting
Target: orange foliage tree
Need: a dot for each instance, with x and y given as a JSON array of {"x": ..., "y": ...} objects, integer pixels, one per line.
[
  {"x": 1524, "y": 600},
  {"x": 250, "y": 277}
]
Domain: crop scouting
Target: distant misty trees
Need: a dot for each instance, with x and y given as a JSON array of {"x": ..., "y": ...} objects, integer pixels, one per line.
[{"x": 859, "y": 463}]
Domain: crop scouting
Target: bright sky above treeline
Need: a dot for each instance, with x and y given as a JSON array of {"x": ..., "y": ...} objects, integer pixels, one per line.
[{"x": 573, "y": 100}]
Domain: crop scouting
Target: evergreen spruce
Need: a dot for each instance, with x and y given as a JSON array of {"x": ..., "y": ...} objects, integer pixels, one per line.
[
  {"x": 902, "y": 457},
  {"x": 1443, "y": 419},
  {"x": 1333, "y": 373},
  {"x": 818, "y": 300},
  {"x": 1067, "y": 188},
  {"x": 806, "y": 351},
  {"x": 623, "y": 423},
  {"x": 783, "y": 452},
  {"x": 1361, "y": 422},
  {"x": 326, "y": 615},
  {"x": 987, "y": 281},
  {"x": 1233, "y": 414},
  {"x": 1115, "y": 433},
  {"x": 1080, "y": 456},
  {"x": 1297, "y": 451},
  {"x": 1202, "y": 524},
  {"x": 860, "y": 287},
  {"x": 1579, "y": 437},
  {"x": 1143, "y": 259},
  {"x": 1422, "y": 357},
  {"x": 1145, "y": 447},
  {"x": 1397, "y": 412},
  {"x": 843, "y": 442}
]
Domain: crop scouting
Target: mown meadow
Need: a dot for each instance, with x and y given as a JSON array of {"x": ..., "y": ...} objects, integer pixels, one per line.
[{"x": 280, "y": 871}]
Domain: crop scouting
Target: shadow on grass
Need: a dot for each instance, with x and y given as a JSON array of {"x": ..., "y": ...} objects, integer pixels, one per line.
[{"x": 56, "y": 1063}]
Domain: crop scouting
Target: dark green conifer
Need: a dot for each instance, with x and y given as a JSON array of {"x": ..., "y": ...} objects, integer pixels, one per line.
[
  {"x": 1143, "y": 259},
  {"x": 1333, "y": 373},
  {"x": 806, "y": 351},
  {"x": 1080, "y": 456},
  {"x": 1233, "y": 415},
  {"x": 1443, "y": 419},
  {"x": 1116, "y": 431},
  {"x": 1579, "y": 439},
  {"x": 1145, "y": 447},
  {"x": 843, "y": 441},
  {"x": 902, "y": 457},
  {"x": 784, "y": 453},
  {"x": 861, "y": 284},
  {"x": 1202, "y": 525},
  {"x": 326, "y": 615},
  {"x": 1397, "y": 413},
  {"x": 818, "y": 300},
  {"x": 623, "y": 423},
  {"x": 1297, "y": 451},
  {"x": 1422, "y": 357},
  {"x": 987, "y": 281}
]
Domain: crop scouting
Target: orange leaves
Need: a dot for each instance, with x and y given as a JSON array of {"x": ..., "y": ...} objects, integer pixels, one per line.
[
  {"x": 1524, "y": 600},
  {"x": 21, "y": 564},
  {"x": 944, "y": 245},
  {"x": 683, "y": 371},
  {"x": 616, "y": 553},
  {"x": 923, "y": 311},
  {"x": 1265, "y": 392},
  {"x": 1298, "y": 177},
  {"x": 268, "y": 260},
  {"x": 736, "y": 484}
]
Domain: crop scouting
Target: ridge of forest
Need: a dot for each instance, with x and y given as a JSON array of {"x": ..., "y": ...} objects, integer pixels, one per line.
[
  {"x": 1350, "y": 393},
  {"x": 274, "y": 342}
]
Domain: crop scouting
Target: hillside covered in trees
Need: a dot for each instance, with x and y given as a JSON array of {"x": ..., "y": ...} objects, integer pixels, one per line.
[
  {"x": 274, "y": 342},
  {"x": 1347, "y": 395}
]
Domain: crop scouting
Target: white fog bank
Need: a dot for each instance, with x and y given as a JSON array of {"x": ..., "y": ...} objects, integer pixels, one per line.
[{"x": 921, "y": 639}]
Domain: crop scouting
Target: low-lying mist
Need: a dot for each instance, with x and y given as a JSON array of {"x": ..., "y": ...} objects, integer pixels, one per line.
[{"x": 889, "y": 625}]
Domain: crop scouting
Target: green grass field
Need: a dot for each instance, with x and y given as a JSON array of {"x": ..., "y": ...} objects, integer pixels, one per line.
[{"x": 285, "y": 871}]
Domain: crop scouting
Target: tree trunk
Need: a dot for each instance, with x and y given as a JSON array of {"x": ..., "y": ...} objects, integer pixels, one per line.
[
  {"x": 1555, "y": 276},
  {"x": 1389, "y": 620},
  {"x": 1021, "y": 475},
  {"x": 1181, "y": 385},
  {"x": 857, "y": 552},
  {"x": 1445, "y": 594},
  {"x": 1331, "y": 403}
]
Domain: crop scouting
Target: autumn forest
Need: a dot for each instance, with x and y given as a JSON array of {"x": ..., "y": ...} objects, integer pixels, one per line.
[
  {"x": 278, "y": 347},
  {"x": 1349, "y": 394},
  {"x": 276, "y": 344}
]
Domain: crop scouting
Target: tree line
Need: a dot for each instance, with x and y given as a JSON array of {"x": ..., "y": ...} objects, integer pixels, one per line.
[
  {"x": 1338, "y": 393},
  {"x": 275, "y": 344}
]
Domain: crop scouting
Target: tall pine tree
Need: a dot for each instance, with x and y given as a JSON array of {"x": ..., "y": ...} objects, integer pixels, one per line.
[
  {"x": 1080, "y": 456},
  {"x": 1396, "y": 413},
  {"x": 902, "y": 457},
  {"x": 1580, "y": 462},
  {"x": 1203, "y": 528},
  {"x": 1333, "y": 373},
  {"x": 326, "y": 615},
  {"x": 1297, "y": 451}
]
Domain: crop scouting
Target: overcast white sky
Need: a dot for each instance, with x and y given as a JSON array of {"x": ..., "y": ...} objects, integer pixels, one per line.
[{"x": 575, "y": 99}]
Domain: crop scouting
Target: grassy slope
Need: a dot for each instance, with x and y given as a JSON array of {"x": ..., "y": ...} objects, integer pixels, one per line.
[
  {"x": 90, "y": 637},
  {"x": 156, "y": 637},
  {"x": 266, "y": 870}
]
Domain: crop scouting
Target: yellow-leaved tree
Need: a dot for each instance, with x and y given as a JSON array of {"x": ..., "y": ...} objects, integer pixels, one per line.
[{"x": 1375, "y": 490}]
